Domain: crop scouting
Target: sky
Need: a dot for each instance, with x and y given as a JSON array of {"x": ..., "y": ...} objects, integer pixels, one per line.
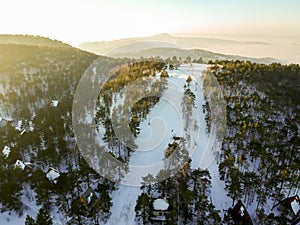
[{"x": 76, "y": 21}]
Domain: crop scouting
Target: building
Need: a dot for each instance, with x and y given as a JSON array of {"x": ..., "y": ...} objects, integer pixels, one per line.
[
  {"x": 54, "y": 103},
  {"x": 26, "y": 166},
  {"x": 53, "y": 175},
  {"x": 240, "y": 215},
  {"x": 88, "y": 198},
  {"x": 161, "y": 209},
  {"x": 291, "y": 208},
  {"x": 6, "y": 151}
]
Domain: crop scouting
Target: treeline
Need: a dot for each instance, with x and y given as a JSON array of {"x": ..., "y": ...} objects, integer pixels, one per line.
[{"x": 144, "y": 91}]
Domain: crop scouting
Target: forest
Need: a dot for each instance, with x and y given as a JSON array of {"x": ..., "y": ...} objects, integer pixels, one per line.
[{"x": 259, "y": 160}]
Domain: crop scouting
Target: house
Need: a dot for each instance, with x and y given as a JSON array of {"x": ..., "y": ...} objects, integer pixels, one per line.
[
  {"x": 54, "y": 103},
  {"x": 6, "y": 151},
  {"x": 88, "y": 198},
  {"x": 240, "y": 215},
  {"x": 292, "y": 205},
  {"x": 53, "y": 175},
  {"x": 161, "y": 209},
  {"x": 26, "y": 166}
]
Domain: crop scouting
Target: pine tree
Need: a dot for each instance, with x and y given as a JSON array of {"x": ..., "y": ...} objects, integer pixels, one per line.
[
  {"x": 30, "y": 221},
  {"x": 43, "y": 217}
]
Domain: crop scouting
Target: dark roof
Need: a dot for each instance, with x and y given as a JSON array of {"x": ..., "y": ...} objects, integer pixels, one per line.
[
  {"x": 240, "y": 215},
  {"x": 288, "y": 202},
  {"x": 88, "y": 197}
]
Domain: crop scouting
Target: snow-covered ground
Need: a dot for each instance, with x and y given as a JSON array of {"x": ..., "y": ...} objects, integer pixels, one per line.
[{"x": 167, "y": 119}]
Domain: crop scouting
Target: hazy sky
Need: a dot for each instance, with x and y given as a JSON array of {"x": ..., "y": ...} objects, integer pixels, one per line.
[{"x": 75, "y": 21}]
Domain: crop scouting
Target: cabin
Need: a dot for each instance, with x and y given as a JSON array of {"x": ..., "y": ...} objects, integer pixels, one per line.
[
  {"x": 6, "y": 151},
  {"x": 291, "y": 207},
  {"x": 240, "y": 215},
  {"x": 54, "y": 103},
  {"x": 26, "y": 166},
  {"x": 161, "y": 208},
  {"x": 53, "y": 175},
  {"x": 88, "y": 198}
]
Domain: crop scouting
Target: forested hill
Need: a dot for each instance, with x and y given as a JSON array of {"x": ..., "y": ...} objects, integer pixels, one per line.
[
  {"x": 260, "y": 152},
  {"x": 40, "y": 72},
  {"x": 38, "y": 132},
  {"x": 31, "y": 40}
]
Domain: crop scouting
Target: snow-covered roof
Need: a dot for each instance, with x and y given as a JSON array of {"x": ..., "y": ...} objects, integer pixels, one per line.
[
  {"x": 6, "y": 151},
  {"x": 54, "y": 103},
  {"x": 20, "y": 164},
  {"x": 31, "y": 128},
  {"x": 160, "y": 204},
  {"x": 19, "y": 125},
  {"x": 89, "y": 198},
  {"x": 295, "y": 204},
  {"x": 23, "y": 131},
  {"x": 53, "y": 175}
]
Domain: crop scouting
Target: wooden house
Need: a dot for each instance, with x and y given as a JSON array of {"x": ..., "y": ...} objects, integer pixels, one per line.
[
  {"x": 53, "y": 175},
  {"x": 88, "y": 198},
  {"x": 291, "y": 207},
  {"x": 240, "y": 215},
  {"x": 160, "y": 210},
  {"x": 26, "y": 166}
]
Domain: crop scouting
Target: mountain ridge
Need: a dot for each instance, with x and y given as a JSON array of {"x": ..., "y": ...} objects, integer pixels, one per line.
[{"x": 139, "y": 47}]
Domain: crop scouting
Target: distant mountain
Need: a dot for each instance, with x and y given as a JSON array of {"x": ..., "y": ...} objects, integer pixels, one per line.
[
  {"x": 166, "y": 45},
  {"x": 31, "y": 40},
  {"x": 207, "y": 55},
  {"x": 168, "y": 52}
]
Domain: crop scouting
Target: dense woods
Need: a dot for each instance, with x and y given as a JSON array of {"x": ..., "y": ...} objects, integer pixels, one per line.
[{"x": 260, "y": 152}]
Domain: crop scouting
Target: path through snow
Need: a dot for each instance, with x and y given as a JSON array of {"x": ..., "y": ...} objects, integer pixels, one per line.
[{"x": 166, "y": 118}]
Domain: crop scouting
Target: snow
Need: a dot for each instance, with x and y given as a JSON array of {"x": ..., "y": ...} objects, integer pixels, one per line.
[
  {"x": 89, "y": 198},
  {"x": 295, "y": 205},
  {"x": 19, "y": 125},
  {"x": 12, "y": 218},
  {"x": 6, "y": 151},
  {"x": 167, "y": 118},
  {"x": 52, "y": 175},
  {"x": 31, "y": 128},
  {"x": 23, "y": 131},
  {"x": 242, "y": 211},
  {"x": 20, "y": 164},
  {"x": 160, "y": 204},
  {"x": 54, "y": 103}
]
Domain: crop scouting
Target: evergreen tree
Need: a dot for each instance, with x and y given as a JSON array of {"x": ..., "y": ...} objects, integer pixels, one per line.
[
  {"x": 29, "y": 221},
  {"x": 43, "y": 216}
]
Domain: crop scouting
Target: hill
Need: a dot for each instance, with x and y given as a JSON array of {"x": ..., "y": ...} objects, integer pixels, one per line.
[
  {"x": 169, "y": 52},
  {"x": 166, "y": 45},
  {"x": 31, "y": 40}
]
